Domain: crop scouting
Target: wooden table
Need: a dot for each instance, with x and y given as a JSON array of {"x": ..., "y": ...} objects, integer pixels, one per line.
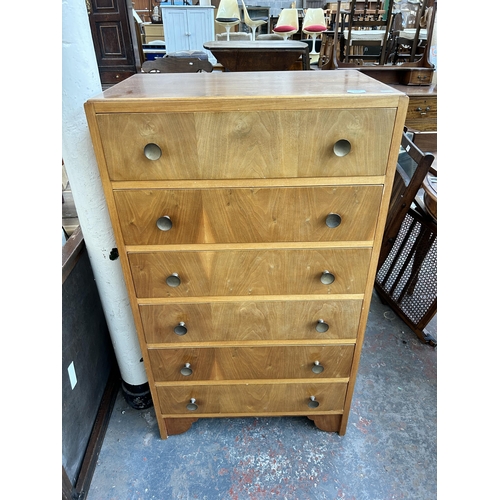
[{"x": 261, "y": 55}]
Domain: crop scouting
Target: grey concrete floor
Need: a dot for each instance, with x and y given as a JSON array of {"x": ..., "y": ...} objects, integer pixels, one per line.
[{"x": 389, "y": 450}]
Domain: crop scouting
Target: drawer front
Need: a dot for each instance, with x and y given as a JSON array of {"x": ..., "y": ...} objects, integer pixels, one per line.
[
  {"x": 248, "y": 215},
  {"x": 250, "y": 363},
  {"x": 249, "y": 272},
  {"x": 260, "y": 144},
  {"x": 258, "y": 320},
  {"x": 153, "y": 30},
  {"x": 418, "y": 77},
  {"x": 252, "y": 399},
  {"x": 422, "y": 113}
]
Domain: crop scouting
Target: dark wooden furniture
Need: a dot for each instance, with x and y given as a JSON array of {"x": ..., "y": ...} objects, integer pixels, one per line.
[
  {"x": 422, "y": 110},
  {"x": 407, "y": 44},
  {"x": 407, "y": 268},
  {"x": 421, "y": 118},
  {"x": 115, "y": 40},
  {"x": 419, "y": 72},
  {"x": 262, "y": 55},
  {"x": 367, "y": 27},
  {"x": 184, "y": 62}
]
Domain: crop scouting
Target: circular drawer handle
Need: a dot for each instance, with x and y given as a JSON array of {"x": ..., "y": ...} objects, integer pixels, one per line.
[
  {"x": 152, "y": 151},
  {"x": 317, "y": 368},
  {"x": 173, "y": 280},
  {"x": 164, "y": 223},
  {"x": 321, "y": 326},
  {"x": 327, "y": 278},
  {"x": 186, "y": 370},
  {"x": 342, "y": 147},
  {"x": 313, "y": 403},
  {"x": 192, "y": 406},
  {"x": 333, "y": 220},
  {"x": 181, "y": 329}
]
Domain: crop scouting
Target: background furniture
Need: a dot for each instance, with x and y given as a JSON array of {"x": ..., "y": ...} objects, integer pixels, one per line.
[
  {"x": 257, "y": 13},
  {"x": 409, "y": 36},
  {"x": 253, "y": 23},
  {"x": 421, "y": 118},
  {"x": 188, "y": 27},
  {"x": 367, "y": 27},
  {"x": 288, "y": 23},
  {"x": 262, "y": 55},
  {"x": 228, "y": 15},
  {"x": 419, "y": 72},
  {"x": 407, "y": 268},
  {"x": 115, "y": 43},
  {"x": 249, "y": 255},
  {"x": 179, "y": 62},
  {"x": 234, "y": 36},
  {"x": 313, "y": 25},
  {"x": 153, "y": 32},
  {"x": 88, "y": 394}
]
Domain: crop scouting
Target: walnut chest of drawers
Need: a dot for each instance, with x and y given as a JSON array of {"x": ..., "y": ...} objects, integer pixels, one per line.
[{"x": 248, "y": 210}]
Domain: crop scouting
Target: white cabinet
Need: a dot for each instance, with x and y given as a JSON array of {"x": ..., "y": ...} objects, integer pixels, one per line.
[{"x": 188, "y": 27}]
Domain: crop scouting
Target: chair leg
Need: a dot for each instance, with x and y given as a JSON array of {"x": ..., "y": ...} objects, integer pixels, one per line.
[
  {"x": 313, "y": 51},
  {"x": 254, "y": 28},
  {"x": 227, "y": 32}
]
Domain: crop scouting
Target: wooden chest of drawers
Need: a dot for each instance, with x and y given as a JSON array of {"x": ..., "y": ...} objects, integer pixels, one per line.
[{"x": 248, "y": 210}]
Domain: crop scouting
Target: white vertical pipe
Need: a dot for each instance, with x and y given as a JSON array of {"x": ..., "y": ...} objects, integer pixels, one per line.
[{"x": 80, "y": 81}]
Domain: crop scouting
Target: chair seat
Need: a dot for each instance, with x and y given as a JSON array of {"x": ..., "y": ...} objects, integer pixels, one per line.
[
  {"x": 226, "y": 19},
  {"x": 409, "y": 34},
  {"x": 314, "y": 28},
  {"x": 366, "y": 35},
  {"x": 284, "y": 28}
]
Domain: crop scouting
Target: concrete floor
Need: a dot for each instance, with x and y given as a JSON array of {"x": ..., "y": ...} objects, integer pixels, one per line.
[{"x": 388, "y": 452}]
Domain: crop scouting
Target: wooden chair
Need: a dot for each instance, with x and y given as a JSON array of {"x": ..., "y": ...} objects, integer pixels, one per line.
[
  {"x": 287, "y": 24},
  {"x": 179, "y": 62},
  {"x": 314, "y": 24},
  {"x": 365, "y": 37},
  {"x": 406, "y": 276},
  {"x": 253, "y": 24},
  {"x": 228, "y": 14},
  {"x": 410, "y": 40}
]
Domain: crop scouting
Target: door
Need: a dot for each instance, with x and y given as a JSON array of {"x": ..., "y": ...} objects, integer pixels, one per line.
[{"x": 115, "y": 45}]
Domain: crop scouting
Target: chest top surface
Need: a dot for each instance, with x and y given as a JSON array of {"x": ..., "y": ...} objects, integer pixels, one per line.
[{"x": 265, "y": 90}]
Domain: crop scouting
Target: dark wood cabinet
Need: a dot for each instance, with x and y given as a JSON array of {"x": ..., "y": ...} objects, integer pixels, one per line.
[{"x": 115, "y": 42}]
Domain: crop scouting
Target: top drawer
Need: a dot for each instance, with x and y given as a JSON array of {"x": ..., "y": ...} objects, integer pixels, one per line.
[{"x": 256, "y": 144}]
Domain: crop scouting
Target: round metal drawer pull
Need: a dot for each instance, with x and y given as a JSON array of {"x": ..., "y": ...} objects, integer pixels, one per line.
[
  {"x": 321, "y": 326},
  {"x": 173, "y": 280},
  {"x": 152, "y": 151},
  {"x": 342, "y": 147},
  {"x": 313, "y": 403},
  {"x": 164, "y": 223},
  {"x": 181, "y": 329},
  {"x": 317, "y": 368},
  {"x": 192, "y": 406},
  {"x": 327, "y": 278},
  {"x": 333, "y": 220},
  {"x": 186, "y": 370}
]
